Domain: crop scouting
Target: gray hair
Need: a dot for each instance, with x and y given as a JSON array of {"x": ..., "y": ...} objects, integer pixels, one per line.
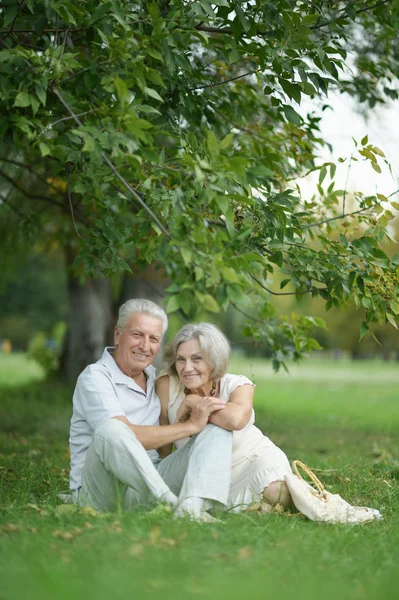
[
  {"x": 213, "y": 343},
  {"x": 141, "y": 305}
]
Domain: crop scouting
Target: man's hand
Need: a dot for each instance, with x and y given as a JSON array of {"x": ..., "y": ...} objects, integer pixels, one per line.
[{"x": 202, "y": 408}]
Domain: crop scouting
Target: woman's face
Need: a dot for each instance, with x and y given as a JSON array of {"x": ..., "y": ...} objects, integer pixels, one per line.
[{"x": 193, "y": 370}]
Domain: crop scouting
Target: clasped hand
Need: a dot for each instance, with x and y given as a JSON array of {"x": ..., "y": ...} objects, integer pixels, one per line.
[{"x": 198, "y": 408}]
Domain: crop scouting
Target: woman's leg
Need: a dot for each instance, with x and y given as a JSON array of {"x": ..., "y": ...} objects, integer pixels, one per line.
[{"x": 277, "y": 493}]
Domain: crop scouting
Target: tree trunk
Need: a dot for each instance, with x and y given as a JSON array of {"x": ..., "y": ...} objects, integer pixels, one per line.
[{"x": 88, "y": 323}]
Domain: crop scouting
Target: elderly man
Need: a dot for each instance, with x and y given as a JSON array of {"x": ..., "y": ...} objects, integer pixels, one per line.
[{"x": 115, "y": 430}]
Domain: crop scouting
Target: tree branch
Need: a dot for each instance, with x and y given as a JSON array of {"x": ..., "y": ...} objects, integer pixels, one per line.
[
  {"x": 278, "y": 293},
  {"x": 87, "y": 112},
  {"x": 344, "y": 14},
  {"x": 201, "y": 87},
  {"x": 10, "y": 31},
  {"x": 109, "y": 164},
  {"x": 343, "y": 216},
  {"x": 70, "y": 201},
  {"x": 240, "y": 127},
  {"x": 21, "y": 189},
  {"x": 209, "y": 29},
  {"x": 17, "y": 163},
  {"x": 246, "y": 314}
]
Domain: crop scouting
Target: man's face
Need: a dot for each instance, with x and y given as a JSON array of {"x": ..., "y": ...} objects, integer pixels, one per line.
[{"x": 138, "y": 343}]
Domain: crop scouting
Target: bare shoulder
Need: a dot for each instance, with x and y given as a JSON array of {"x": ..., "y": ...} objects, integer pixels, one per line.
[{"x": 162, "y": 387}]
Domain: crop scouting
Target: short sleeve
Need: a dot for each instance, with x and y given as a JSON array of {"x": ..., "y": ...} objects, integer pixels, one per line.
[
  {"x": 231, "y": 382},
  {"x": 95, "y": 398}
]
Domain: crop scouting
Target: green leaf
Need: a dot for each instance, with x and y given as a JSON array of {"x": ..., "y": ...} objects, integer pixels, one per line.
[
  {"x": 364, "y": 328},
  {"x": 172, "y": 303},
  {"x": 394, "y": 306},
  {"x": 227, "y": 141},
  {"x": 364, "y": 140},
  {"x": 209, "y": 303},
  {"x": 309, "y": 20},
  {"x": 155, "y": 54},
  {"x": 44, "y": 149},
  {"x": 99, "y": 12},
  {"x": 292, "y": 90},
  {"x": 153, "y": 94},
  {"x": 122, "y": 91},
  {"x": 146, "y": 108},
  {"x": 291, "y": 115},
  {"x": 228, "y": 274},
  {"x": 242, "y": 18},
  {"x": 212, "y": 143},
  {"x": 9, "y": 13},
  {"x": 187, "y": 255},
  {"x": 208, "y": 8},
  {"x": 391, "y": 320},
  {"x": 41, "y": 94},
  {"x": 22, "y": 100},
  {"x": 351, "y": 279},
  {"x": 366, "y": 302}
]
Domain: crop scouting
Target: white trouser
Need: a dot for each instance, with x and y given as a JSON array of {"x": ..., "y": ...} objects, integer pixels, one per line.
[{"x": 119, "y": 472}]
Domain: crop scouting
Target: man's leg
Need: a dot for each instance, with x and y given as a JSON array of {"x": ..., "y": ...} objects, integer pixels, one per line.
[
  {"x": 118, "y": 470},
  {"x": 201, "y": 469}
]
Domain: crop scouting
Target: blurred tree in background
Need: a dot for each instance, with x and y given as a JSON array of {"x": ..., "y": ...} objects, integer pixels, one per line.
[{"x": 163, "y": 135}]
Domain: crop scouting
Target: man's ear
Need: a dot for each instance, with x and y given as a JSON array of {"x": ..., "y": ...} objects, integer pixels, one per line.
[{"x": 116, "y": 336}]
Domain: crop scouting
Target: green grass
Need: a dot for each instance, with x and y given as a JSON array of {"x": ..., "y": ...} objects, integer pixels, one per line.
[{"x": 340, "y": 418}]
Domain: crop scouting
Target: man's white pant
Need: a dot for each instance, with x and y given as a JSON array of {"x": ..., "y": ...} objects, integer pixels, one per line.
[{"x": 119, "y": 472}]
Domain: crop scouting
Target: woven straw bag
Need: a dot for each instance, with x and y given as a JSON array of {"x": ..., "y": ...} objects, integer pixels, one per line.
[{"x": 316, "y": 503}]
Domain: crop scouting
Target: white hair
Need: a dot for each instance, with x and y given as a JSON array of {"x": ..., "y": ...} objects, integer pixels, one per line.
[
  {"x": 214, "y": 346},
  {"x": 141, "y": 305}
]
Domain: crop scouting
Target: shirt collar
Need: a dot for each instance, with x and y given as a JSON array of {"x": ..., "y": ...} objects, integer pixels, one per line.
[{"x": 119, "y": 377}]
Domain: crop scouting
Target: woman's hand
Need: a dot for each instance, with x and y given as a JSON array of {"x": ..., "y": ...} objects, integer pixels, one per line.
[
  {"x": 192, "y": 400},
  {"x": 203, "y": 408}
]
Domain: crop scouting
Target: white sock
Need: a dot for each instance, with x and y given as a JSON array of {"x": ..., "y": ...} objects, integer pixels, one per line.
[
  {"x": 192, "y": 506},
  {"x": 169, "y": 498}
]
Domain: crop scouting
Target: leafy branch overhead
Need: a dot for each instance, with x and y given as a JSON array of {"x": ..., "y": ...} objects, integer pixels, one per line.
[{"x": 171, "y": 129}]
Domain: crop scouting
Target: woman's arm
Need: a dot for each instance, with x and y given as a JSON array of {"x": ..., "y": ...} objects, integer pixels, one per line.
[
  {"x": 162, "y": 391},
  {"x": 238, "y": 409}
]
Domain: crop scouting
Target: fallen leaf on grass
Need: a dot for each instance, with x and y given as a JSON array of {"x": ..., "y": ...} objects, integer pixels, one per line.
[
  {"x": 136, "y": 550},
  {"x": 154, "y": 535},
  {"x": 64, "y": 535},
  {"x": 161, "y": 510},
  {"x": 115, "y": 526},
  {"x": 33, "y": 506},
  {"x": 167, "y": 542},
  {"x": 64, "y": 509},
  {"x": 32, "y": 529},
  {"x": 262, "y": 507},
  {"x": 91, "y": 512},
  {"x": 245, "y": 552},
  {"x": 11, "y": 528}
]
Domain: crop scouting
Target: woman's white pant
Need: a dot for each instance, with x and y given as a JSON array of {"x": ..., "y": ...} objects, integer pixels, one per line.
[{"x": 119, "y": 472}]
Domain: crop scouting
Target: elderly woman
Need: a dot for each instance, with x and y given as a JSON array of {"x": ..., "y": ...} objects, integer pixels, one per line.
[{"x": 196, "y": 363}]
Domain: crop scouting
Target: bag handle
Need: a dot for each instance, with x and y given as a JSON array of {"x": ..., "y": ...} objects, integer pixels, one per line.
[{"x": 309, "y": 473}]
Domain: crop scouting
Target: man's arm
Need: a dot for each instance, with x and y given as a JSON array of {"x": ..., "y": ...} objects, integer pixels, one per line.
[{"x": 156, "y": 436}]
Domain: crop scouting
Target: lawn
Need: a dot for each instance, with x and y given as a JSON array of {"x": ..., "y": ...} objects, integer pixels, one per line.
[{"x": 340, "y": 418}]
